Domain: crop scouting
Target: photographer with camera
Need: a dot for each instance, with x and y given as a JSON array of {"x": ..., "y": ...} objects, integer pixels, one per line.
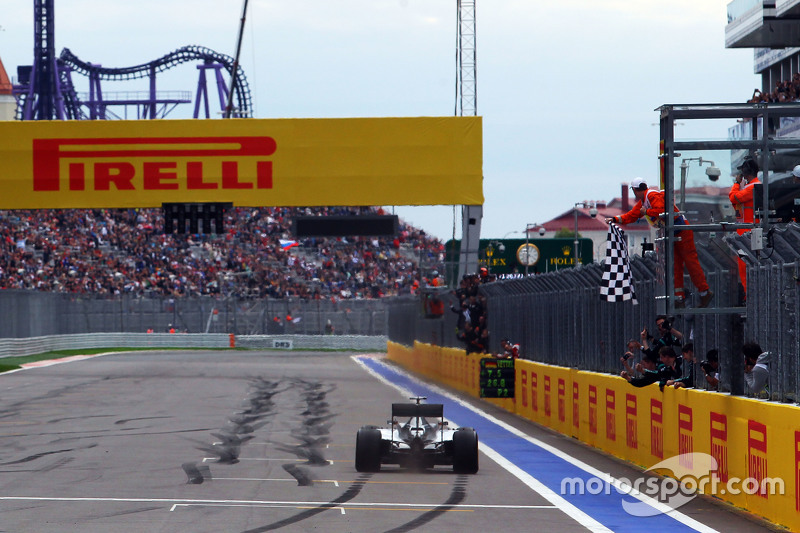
[
  {"x": 710, "y": 368},
  {"x": 741, "y": 197},
  {"x": 667, "y": 336}
]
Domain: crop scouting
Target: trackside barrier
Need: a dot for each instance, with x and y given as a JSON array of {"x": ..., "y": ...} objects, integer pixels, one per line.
[
  {"x": 752, "y": 440},
  {"x": 37, "y": 345}
]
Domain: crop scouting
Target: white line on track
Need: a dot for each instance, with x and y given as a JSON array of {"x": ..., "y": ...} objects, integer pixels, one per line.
[
  {"x": 270, "y": 506},
  {"x": 184, "y": 502},
  {"x": 569, "y": 509},
  {"x": 335, "y": 482},
  {"x": 284, "y": 459}
]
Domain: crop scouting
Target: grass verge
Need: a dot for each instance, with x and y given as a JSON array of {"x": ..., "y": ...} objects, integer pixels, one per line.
[{"x": 14, "y": 363}]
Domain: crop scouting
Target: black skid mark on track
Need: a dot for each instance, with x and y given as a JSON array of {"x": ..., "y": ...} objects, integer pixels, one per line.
[
  {"x": 196, "y": 474},
  {"x": 258, "y": 407},
  {"x": 125, "y": 421},
  {"x": 351, "y": 492},
  {"x": 302, "y": 475},
  {"x": 457, "y": 496},
  {"x": 44, "y": 454},
  {"x": 315, "y": 426},
  {"x": 227, "y": 449},
  {"x": 123, "y": 513},
  {"x": 58, "y": 463},
  {"x": 309, "y": 449},
  {"x": 34, "y": 457}
]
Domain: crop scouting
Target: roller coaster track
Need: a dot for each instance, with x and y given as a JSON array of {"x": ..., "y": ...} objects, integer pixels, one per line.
[{"x": 69, "y": 63}]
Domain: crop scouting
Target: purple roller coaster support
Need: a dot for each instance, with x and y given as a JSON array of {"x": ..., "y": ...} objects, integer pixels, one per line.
[
  {"x": 202, "y": 89},
  {"x": 96, "y": 108},
  {"x": 46, "y": 91},
  {"x": 222, "y": 89},
  {"x": 153, "y": 97}
]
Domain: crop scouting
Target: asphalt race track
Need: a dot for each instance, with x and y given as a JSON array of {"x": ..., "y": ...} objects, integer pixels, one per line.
[{"x": 220, "y": 441}]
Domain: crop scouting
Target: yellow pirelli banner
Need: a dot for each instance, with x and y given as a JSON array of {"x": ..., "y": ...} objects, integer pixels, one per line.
[
  {"x": 250, "y": 162},
  {"x": 754, "y": 444}
]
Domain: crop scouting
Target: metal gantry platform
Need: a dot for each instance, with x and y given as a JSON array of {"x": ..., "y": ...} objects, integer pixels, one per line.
[{"x": 763, "y": 145}]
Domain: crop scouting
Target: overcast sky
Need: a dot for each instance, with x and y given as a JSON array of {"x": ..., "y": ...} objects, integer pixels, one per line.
[{"x": 567, "y": 90}]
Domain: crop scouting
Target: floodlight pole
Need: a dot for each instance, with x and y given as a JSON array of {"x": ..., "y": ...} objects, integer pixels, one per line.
[{"x": 467, "y": 105}]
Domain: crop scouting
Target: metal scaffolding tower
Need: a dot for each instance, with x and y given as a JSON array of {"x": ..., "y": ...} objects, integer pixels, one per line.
[
  {"x": 467, "y": 105},
  {"x": 466, "y": 88}
]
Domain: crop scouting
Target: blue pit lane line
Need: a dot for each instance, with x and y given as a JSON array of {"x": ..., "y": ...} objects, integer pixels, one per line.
[{"x": 543, "y": 465}]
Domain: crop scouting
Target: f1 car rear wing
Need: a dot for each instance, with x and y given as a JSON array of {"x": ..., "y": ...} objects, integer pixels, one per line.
[{"x": 428, "y": 410}]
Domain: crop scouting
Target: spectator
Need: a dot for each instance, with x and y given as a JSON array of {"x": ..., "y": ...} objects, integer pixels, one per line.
[
  {"x": 122, "y": 251},
  {"x": 472, "y": 324},
  {"x": 756, "y": 371},
  {"x": 434, "y": 306},
  {"x": 474, "y": 340},
  {"x": 672, "y": 368},
  {"x": 687, "y": 378},
  {"x": 650, "y": 204},
  {"x": 463, "y": 323},
  {"x": 633, "y": 347},
  {"x": 485, "y": 340},
  {"x": 510, "y": 350},
  {"x": 649, "y": 367},
  {"x": 710, "y": 368}
]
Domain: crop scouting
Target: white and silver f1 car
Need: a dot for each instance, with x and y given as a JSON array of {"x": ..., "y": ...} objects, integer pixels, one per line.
[{"x": 418, "y": 438}]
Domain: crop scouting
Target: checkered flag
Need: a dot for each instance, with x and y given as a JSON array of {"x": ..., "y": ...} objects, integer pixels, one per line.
[{"x": 617, "y": 284}]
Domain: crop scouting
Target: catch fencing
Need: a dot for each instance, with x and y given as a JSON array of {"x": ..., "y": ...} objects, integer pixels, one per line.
[
  {"x": 559, "y": 318},
  {"x": 34, "y": 314}
]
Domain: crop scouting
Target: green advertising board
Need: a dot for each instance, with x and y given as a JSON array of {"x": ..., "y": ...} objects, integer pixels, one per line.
[{"x": 508, "y": 258}]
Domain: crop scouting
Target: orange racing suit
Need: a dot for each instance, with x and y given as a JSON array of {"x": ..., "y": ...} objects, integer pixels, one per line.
[
  {"x": 685, "y": 253},
  {"x": 742, "y": 200}
]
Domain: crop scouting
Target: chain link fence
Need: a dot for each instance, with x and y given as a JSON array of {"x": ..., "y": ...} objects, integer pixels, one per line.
[{"x": 34, "y": 314}]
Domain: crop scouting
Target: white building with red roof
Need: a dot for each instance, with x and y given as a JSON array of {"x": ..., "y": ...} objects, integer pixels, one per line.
[
  {"x": 8, "y": 104},
  {"x": 702, "y": 205},
  {"x": 595, "y": 228}
]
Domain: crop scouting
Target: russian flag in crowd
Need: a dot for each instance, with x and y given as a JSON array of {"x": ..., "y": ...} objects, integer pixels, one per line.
[{"x": 285, "y": 245}]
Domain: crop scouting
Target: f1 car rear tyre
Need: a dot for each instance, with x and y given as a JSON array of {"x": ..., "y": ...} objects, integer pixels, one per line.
[
  {"x": 465, "y": 451},
  {"x": 368, "y": 450}
]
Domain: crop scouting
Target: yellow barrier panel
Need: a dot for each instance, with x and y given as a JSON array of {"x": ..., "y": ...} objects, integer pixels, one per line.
[
  {"x": 250, "y": 162},
  {"x": 756, "y": 444}
]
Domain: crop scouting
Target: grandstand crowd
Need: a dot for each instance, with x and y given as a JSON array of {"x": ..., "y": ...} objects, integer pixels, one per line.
[
  {"x": 785, "y": 91},
  {"x": 116, "y": 251}
]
